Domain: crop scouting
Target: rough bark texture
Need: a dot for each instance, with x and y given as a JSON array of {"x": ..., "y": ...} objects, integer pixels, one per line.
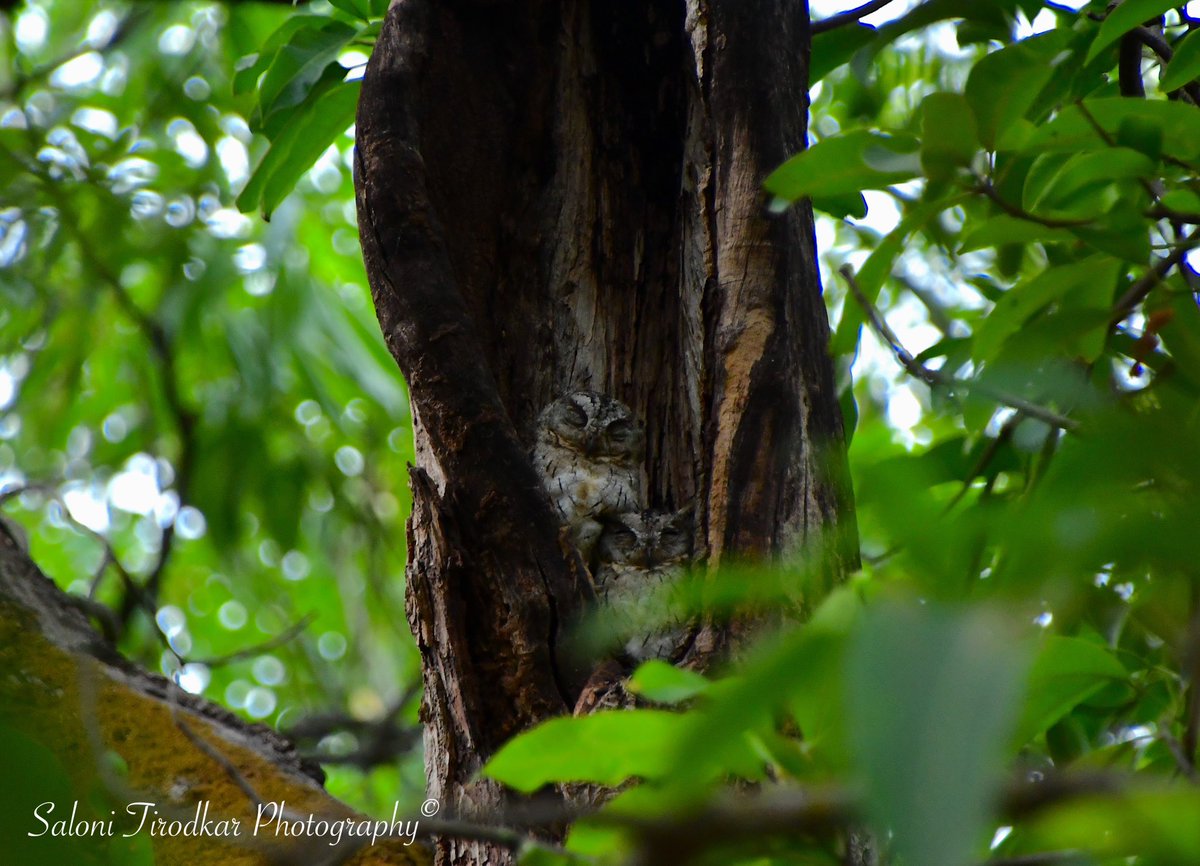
[
  {"x": 71, "y": 709},
  {"x": 556, "y": 195}
]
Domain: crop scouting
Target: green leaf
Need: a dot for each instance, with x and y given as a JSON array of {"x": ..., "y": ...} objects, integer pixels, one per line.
[
  {"x": 1150, "y": 824},
  {"x": 846, "y": 164},
  {"x": 606, "y": 748},
  {"x": 355, "y": 8},
  {"x": 949, "y": 137},
  {"x": 1141, "y": 135},
  {"x": 1066, "y": 179},
  {"x": 251, "y": 66},
  {"x": 1184, "y": 66},
  {"x": 1124, "y": 18},
  {"x": 1004, "y": 229},
  {"x": 1177, "y": 125},
  {"x": 834, "y": 47},
  {"x": 1022, "y": 301},
  {"x": 850, "y": 414},
  {"x": 282, "y": 114},
  {"x": 666, "y": 684},
  {"x": 230, "y": 463},
  {"x": 1122, "y": 234},
  {"x": 841, "y": 206},
  {"x": 800, "y": 671},
  {"x": 299, "y": 65},
  {"x": 1182, "y": 200},
  {"x": 297, "y": 147},
  {"x": 991, "y": 14},
  {"x": 36, "y": 775},
  {"x": 1003, "y": 85},
  {"x": 932, "y": 696}
]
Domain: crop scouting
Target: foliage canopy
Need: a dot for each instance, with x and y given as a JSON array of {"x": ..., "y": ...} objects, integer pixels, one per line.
[{"x": 199, "y": 403}]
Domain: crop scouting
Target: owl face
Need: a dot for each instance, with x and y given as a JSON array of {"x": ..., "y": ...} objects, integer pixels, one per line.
[
  {"x": 595, "y": 425},
  {"x": 647, "y": 539}
]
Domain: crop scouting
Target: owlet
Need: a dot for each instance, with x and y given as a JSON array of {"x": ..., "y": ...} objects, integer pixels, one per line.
[
  {"x": 588, "y": 454},
  {"x": 642, "y": 560}
]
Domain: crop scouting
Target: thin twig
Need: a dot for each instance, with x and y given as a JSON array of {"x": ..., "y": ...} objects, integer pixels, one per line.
[
  {"x": 1191, "y": 658},
  {"x": 110, "y": 623},
  {"x": 131, "y": 586},
  {"x": 1182, "y": 246},
  {"x": 230, "y": 769},
  {"x": 985, "y": 186},
  {"x": 380, "y": 741},
  {"x": 1185, "y": 766},
  {"x": 985, "y": 459},
  {"x": 1140, "y": 289},
  {"x": 1097, "y": 128},
  {"x": 21, "y": 489},
  {"x": 935, "y": 378},
  {"x": 1162, "y": 48},
  {"x": 850, "y": 17},
  {"x": 279, "y": 640}
]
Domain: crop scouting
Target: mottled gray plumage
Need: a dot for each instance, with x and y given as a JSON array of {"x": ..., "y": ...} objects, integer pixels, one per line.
[
  {"x": 642, "y": 560},
  {"x": 588, "y": 454}
]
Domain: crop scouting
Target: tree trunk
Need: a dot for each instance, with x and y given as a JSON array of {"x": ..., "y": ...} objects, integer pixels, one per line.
[{"x": 555, "y": 195}]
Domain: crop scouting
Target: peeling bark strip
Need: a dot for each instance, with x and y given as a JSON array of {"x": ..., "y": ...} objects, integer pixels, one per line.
[
  {"x": 557, "y": 194},
  {"x": 774, "y": 423}
]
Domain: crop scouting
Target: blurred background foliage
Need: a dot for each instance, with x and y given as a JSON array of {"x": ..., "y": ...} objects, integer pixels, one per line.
[
  {"x": 201, "y": 428},
  {"x": 202, "y": 431}
]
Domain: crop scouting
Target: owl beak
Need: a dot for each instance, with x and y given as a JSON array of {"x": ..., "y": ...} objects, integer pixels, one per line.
[{"x": 589, "y": 446}]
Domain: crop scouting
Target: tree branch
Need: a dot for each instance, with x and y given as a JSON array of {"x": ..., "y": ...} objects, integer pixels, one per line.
[
  {"x": 1129, "y": 67},
  {"x": 850, "y": 17},
  {"x": 935, "y": 378},
  {"x": 82, "y": 702},
  {"x": 822, "y": 812},
  {"x": 1137, "y": 292},
  {"x": 1162, "y": 48}
]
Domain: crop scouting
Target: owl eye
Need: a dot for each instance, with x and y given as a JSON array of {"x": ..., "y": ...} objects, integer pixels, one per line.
[
  {"x": 575, "y": 416},
  {"x": 622, "y": 535},
  {"x": 620, "y": 429}
]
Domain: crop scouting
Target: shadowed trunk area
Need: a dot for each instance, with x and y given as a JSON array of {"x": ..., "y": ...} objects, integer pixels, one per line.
[{"x": 555, "y": 195}]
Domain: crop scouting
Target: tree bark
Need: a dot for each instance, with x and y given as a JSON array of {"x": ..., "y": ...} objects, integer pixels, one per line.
[
  {"x": 82, "y": 725},
  {"x": 555, "y": 195}
]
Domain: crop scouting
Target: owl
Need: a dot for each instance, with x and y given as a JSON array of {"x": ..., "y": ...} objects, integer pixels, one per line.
[
  {"x": 588, "y": 455},
  {"x": 642, "y": 560}
]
